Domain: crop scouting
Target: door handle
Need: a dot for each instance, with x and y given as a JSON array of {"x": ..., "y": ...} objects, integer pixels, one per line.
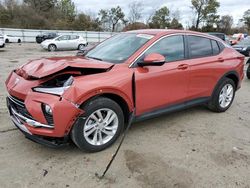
[
  {"x": 220, "y": 59},
  {"x": 182, "y": 67}
]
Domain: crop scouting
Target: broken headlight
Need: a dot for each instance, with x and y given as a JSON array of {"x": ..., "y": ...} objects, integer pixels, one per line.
[{"x": 60, "y": 86}]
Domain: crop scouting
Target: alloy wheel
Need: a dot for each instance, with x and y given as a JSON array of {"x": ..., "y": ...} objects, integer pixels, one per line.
[
  {"x": 81, "y": 47},
  {"x": 226, "y": 96},
  {"x": 52, "y": 48},
  {"x": 100, "y": 127}
]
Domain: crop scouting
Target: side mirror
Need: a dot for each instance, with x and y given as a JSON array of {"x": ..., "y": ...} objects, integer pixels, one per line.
[{"x": 153, "y": 59}]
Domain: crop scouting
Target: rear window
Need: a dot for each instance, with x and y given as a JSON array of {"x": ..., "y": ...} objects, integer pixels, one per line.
[{"x": 199, "y": 46}]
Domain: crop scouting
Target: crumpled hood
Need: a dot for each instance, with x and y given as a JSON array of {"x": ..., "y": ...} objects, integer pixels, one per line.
[{"x": 47, "y": 66}]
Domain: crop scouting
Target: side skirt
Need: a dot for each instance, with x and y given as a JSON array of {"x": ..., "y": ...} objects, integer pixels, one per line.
[{"x": 172, "y": 108}]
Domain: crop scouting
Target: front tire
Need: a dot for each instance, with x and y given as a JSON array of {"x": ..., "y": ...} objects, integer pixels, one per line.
[
  {"x": 52, "y": 48},
  {"x": 100, "y": 126},
  {"x": 248, "y": 71},
  {"x": 19, "y": 41},
  {"x": 223, "y": 96}
]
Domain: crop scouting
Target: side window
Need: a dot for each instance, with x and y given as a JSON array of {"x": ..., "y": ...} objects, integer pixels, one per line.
[
  {"x": 172, "y": 48},
  {"x": 74, "y": 37},
  {"x": 64, "y": 37},
  {"x": 216, "y": 49},
  {"x": 199, "y": 46}
]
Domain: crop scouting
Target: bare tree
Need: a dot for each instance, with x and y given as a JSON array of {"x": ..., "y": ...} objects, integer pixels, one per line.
[
  {"x": 225, "y": 24},
  {"x": 135, "y": 11},
  {"x": 112, "y": 17}
]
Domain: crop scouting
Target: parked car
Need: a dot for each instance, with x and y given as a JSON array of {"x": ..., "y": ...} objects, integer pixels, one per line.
[
  {"x": 243, "y": 47},
  {"x": 236, "y": 38},
  {"x": 222, "y": 36},
  {"x": 65, "y": 42},
  {"x": 149, "y": 72},
  {"x": 2, "y": 43},
  {"x": 45, "y": 36},
  {"x": 11, "y": 38}
]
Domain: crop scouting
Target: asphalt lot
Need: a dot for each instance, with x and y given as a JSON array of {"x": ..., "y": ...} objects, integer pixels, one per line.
[{"x": 192, "y": 148}]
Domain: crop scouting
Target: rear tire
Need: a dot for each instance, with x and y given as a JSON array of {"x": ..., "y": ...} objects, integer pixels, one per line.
[
  {"x": 100, "y": 126},
  {"x": 222, "y": 99},
  {"x": 7, "y": 41},
  {"x": 248, "y": 71},
  {"x": 19, "y": 41},
  {"x": 52, "y": 48}
]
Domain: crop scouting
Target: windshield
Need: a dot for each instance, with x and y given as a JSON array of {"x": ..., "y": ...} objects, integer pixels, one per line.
[
  {"x": 119, "y": 48},
  {"x": 244, "y": 42}
]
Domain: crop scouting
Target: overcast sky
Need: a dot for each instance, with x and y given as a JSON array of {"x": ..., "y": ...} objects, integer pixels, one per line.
[{"x": 236, "y": 8}]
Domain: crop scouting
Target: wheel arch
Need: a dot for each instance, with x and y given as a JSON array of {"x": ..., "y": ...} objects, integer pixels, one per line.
[
  {"x": 233, "y": 75},
  {"x": 52, "y": 44},
  {"x": 125, "y": 104}
]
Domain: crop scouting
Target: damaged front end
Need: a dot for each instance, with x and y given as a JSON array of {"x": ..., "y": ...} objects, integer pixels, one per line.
[{"x": 37, "y": 106}]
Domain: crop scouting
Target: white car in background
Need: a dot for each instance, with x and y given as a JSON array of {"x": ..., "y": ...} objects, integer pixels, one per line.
[
  {"x": 2, "y": 43},
  {"x": 11, "y": 38},
  {"x": 65, "y": 42}
]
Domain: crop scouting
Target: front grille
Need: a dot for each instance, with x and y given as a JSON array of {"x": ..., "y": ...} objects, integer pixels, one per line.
[{"x": 18, "y": 106}]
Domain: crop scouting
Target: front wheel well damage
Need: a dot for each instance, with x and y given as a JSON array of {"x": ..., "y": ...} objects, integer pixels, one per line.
[{"x": 118, "y": 99}]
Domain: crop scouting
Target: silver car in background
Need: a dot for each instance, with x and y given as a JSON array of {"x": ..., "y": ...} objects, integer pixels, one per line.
[
  {"x": 65, "y": 42},
  {"x": 12, "y": 39},
  {"x": 2, "y": 43}
]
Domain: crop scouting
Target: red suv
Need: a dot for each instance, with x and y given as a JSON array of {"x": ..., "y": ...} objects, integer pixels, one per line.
[{"x": 89, "y": 98}]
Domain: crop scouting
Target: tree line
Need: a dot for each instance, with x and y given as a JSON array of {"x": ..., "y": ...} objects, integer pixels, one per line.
[{"x": 63, "y": 14}]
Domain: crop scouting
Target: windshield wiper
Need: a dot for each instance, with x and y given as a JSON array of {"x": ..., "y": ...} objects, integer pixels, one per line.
[{"x": 99, "y": 59}]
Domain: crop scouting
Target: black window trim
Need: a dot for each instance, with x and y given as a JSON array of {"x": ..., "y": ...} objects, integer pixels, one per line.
[
  {"x": 218, "y": 43},
  {"x": 217, "y": 46},
  {"x": 186, "y": 47},
  {"x": 134, "y": 63}
]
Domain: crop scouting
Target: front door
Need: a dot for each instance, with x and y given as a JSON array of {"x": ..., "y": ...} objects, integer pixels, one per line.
[{"x": 162, "y": 86}]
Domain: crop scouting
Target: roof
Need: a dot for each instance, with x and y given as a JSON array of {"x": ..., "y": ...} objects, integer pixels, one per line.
[
  {"x": 169, "y": 31},
  {"x": 162, "y": 31}
]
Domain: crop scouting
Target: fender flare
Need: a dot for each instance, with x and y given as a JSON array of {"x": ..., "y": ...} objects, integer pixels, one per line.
[
  {"x": 223, "y": 77},
  {"x": 105, "y": 91}
]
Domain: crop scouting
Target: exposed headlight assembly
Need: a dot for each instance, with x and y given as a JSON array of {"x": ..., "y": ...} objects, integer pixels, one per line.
[
  {"x": 56, "y": 90},
  {"x": 244, "y": 49}
]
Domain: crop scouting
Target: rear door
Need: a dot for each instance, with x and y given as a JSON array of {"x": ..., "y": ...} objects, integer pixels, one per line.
[
  {"x": 161, "y": 86},
  {"x": 63, "y": 42},
  {"x": 203, "y": 63}
]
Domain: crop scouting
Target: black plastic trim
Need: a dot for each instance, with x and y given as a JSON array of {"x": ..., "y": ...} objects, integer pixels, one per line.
[
  {"x": 224, "y": 76},
  {"x": 172, "y": 108}
]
